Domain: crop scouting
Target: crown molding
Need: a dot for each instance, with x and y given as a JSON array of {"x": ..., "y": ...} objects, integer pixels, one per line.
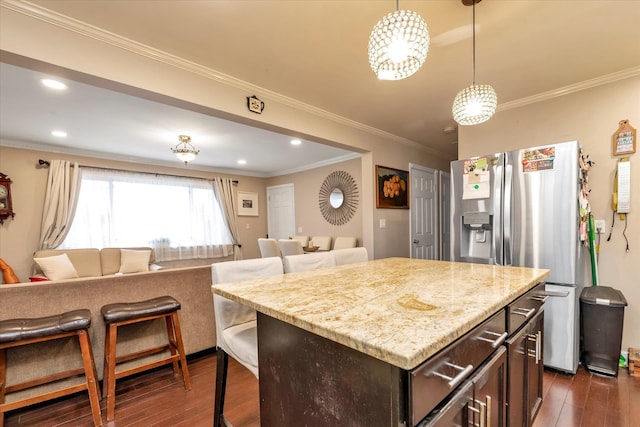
[
  {"x": 87, "y": 30},
  {"x": 566, "y": 90}
]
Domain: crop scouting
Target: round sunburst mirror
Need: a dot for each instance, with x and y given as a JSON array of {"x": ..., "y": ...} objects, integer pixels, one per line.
[{"x": 338, "y": 197}]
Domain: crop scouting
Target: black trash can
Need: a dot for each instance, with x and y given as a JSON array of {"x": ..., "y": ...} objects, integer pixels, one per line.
[{"x": 601, "y": 320}]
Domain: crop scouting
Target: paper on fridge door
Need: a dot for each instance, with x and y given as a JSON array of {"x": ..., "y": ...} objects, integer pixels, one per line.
[{"x": 476, "y": 185}]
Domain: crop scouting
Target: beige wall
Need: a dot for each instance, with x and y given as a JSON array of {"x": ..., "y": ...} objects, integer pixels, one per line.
[
  {"x": 306, "y": 189},
  {"x": 591, "y": 117},
  {"x": 19, "y": 237}
]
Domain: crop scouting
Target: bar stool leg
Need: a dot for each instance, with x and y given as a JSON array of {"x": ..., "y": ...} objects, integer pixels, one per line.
[
  {"x": 173, "y": 343},
  {"x": 222, "y": 366},
  {"x": 109, "y": 380},
  {"x": 91, "y": 377},
  {"x": 183, "y": 357}
]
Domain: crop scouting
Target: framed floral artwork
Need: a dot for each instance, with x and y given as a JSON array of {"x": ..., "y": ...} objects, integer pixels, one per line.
[{"x": 392, "y": 189}]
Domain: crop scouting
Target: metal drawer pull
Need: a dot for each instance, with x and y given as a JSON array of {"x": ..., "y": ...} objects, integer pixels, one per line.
[
  {"x": 524, "y": 312},
  {"x": 494, "y": 343},
  {"x": 537, "y": 338},
  {"x": 452, "y": 382},
  {"x": 484, "y": 413},
  {"x": 540, "y": 298}
]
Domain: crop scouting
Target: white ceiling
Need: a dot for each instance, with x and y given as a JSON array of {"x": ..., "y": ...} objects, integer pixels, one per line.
[{"x": 315, "y": 52}]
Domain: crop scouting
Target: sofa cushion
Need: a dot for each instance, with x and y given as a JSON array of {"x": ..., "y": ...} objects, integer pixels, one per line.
[
  {"x": 133, "y": 261},
  {"x": 57, "y": 267},
  {"x": 111, "y": 259},
  {"x": 85, "y": 261}
]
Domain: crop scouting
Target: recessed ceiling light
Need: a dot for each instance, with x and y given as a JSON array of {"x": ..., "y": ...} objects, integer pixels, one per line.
[
  {"x": 54, "y": 84},
  {"x": 59, "y": 133},
  {"x": 242, "y": 162},
  {"x": 296, "y": 142}
]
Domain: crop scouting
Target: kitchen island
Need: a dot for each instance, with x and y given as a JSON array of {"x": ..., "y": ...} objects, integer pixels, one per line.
[{"x": 338, "y": 346}]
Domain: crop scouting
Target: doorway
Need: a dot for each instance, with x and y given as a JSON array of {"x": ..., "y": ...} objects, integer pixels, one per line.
[
  {"x": 281, "y": 212},
  {"x": 424, "y": 212}
]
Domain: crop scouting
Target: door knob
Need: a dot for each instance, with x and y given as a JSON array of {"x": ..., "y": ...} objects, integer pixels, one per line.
[{"x": 416, "y": 241}]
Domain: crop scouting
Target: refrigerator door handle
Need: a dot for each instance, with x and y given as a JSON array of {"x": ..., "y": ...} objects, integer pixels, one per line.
[
  {"x": 497, "y": 246},
  {"x": 506, "y": 230}
]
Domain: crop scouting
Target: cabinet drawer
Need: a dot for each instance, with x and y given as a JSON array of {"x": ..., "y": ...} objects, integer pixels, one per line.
[
  {"x": 524, "y": 308},
  {"x": 432, "y": 381}
]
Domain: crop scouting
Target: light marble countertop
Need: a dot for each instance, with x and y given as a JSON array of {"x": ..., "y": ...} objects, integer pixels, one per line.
[{"x": 398, "y": 310}]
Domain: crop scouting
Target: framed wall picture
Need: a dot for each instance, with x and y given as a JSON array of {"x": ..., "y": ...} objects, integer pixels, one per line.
[
  {"x": 247, "y": 204},
  {"x": 392, "y": 191},
  {"x": 624, "y": 139}
]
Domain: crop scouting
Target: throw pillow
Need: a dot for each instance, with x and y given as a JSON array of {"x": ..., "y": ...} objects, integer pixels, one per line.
[
  {"x": 132, "y": 261},
  {"x": 57, "y": 267}
]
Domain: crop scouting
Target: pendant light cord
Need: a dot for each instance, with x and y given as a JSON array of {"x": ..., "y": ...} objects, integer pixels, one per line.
[{"x": 473, "y": 76}]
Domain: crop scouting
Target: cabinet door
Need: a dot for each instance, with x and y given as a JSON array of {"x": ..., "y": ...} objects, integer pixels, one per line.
[
  {"x": 490, "y": 390},
  {"x": 455, "y": 412},
  {"x": 516, "y": 378},
  {"x": 535, "y": 367}
]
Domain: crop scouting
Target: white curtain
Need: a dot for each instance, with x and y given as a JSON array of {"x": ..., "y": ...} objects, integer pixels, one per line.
[
  {"x": 61, "y": 197},
  {"x": 223, "y": 189},
  {"x": 177, "y": 216}
]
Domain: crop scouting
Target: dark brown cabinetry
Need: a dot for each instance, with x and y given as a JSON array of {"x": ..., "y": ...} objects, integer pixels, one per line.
[
  {"x": 525, "y": 367},
  {"x": 480, "y": 401}
]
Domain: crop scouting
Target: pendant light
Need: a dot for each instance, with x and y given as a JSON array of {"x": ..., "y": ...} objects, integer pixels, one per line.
[
  {"x": 476, "y": 103},
  {"x": 398, "y": 45},
  {"x": 184, "y": 150}
]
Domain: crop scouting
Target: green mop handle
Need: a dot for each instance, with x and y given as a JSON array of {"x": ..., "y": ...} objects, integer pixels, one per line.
[{"x": 592, "y": 250}]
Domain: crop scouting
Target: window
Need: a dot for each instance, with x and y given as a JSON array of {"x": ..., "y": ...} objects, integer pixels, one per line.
[{"x": 179, "y": 217}]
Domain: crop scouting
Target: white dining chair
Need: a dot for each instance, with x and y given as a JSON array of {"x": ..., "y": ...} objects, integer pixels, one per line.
[
  {"x": 350, "y": 255},
  {"x": 344, "y": 242},
  {"x": 290, "y": 247},
  {"x": 269, "y": 248},
  {"x": 304, "y": 240},
  {"x": 310, "y": 261},
  {"x": 322, "y": 242},
  {"x": 236, "y": 328}
]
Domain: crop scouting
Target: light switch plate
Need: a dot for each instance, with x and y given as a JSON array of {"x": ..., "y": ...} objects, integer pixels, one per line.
[{"x": 383, "y": 223}]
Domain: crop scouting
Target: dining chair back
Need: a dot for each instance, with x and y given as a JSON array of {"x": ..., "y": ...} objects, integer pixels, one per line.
[
  {"x": 269, "y": 248},
  {"x": 304, "y": 240},
  {"x": 322, "y": 242},
  {"x": 290, "y": 247},
  {"x": 310, "y": 261},
  {"x": 344, "y": 242},
  {"x": 350, "y": 255}
]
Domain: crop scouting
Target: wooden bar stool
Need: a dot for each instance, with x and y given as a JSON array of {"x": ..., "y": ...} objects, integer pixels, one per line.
[
  {"x": 121, "y": 314},
  {"x": 19, "y": 332}
]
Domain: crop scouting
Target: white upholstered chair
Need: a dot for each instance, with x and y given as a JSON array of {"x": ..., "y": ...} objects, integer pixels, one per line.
[
  {"x": 236, "y": 329},
  {"x": 304, "y": 240},
  {"x": 344, "y": 242},
  {"x": 269, "y": 248},
  {"x": 290, "y": 247},
  {"x": 350, "y": 255},
  {"x": 310, "y": 261},
  {"x": 322, "y": 242}
]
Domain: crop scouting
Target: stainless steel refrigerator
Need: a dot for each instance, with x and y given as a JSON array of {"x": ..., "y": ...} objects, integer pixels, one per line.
[{"x": 521, "y": 208}]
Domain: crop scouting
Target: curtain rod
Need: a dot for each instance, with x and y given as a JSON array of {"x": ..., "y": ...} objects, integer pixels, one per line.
[{"x": 45, "y": 164}]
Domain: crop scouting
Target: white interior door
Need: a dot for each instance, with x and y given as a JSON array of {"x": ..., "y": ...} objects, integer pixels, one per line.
[
  {"x": 281, "y": 212},
  {"x": 424, "y": 212},
  {"x": 445, "y": 215}
]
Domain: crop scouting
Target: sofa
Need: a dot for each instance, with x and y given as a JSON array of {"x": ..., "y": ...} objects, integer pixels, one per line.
[
  {"x": 92, "y": 262},
  {"x": 191, "y": 286}
]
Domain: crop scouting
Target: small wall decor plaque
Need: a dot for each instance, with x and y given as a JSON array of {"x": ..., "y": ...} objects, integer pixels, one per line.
[
  {"x": 624, "y": 139},
  {"x": 254, "y": 104}
]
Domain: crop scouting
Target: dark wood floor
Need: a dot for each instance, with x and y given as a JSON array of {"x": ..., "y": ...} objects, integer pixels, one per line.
[{"x": 158, "y": 399}]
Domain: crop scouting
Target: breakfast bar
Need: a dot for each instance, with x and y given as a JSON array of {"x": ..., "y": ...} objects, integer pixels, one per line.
[{"x": 362, "y": 344}]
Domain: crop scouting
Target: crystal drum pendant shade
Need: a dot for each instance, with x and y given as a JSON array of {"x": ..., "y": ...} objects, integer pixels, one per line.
[
  {"x": 476, "y": 103},
  {"x": 398, "y": 45},
  {"x": 184, "y": 150}
]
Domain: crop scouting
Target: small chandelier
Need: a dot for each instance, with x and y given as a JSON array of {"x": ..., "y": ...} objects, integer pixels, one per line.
[
  {"x": 184, "y": 150},
  {"x": 398, "y": 45},
  {"x": 476, "y": 103}
]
